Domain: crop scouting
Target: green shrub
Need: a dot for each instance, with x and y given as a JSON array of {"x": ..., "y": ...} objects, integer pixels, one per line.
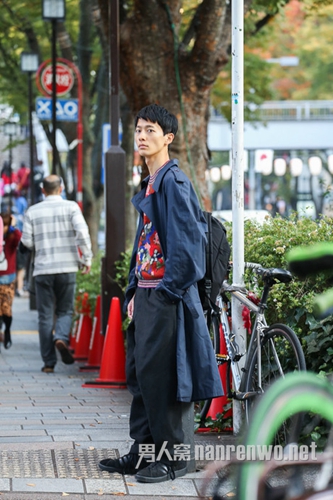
[
  {"x": 89, "y": 283},
  {"x": 291, "y": 303}
]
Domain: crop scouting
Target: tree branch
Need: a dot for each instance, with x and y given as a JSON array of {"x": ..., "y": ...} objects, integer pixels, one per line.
[{"x": 23, "y": 25}]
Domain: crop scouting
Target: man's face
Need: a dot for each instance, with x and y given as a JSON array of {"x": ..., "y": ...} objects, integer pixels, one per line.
[{"x": 150, "y": 139}]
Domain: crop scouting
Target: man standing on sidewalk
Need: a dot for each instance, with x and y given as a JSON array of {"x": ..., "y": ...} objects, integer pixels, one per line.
[
  {"x": 170, "y": 359},
  {"x": 55, "y": 229}
]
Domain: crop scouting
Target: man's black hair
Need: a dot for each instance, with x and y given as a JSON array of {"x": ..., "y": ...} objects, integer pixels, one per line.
[
  {"x": 157, "y": 114},
  {"x": 52, "y": 183}
]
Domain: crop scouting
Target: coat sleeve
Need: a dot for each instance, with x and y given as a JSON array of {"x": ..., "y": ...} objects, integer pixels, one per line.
[
  {"x": 132, "y": 279},
  {"x": 185, "y": 237}
]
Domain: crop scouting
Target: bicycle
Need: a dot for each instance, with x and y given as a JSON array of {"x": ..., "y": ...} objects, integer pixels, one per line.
[
  {"x": 273, "y": 350},
  {"x": 296, "y": 394}
]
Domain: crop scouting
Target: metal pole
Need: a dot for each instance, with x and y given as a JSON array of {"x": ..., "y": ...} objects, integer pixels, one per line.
[
  {"x": 114, "y": 69},
  {"x": 237, "y": 137},
  {"x": 54, "y": 95},
  {"x": 114, "y": 179},
  {"x": 31, "y": 153}
]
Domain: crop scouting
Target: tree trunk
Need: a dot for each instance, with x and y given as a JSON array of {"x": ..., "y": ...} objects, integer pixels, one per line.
[{"x": 165, "y": 71}]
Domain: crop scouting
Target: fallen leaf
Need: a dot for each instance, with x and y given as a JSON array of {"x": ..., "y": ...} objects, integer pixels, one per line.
[
  {"x": 76, "y": 459},
  {"x": 91, "y": 448},
  {"x": 131, "y": 484},
  {"x": 77, "y": 444},
  {"x": 65, "y": 495},
  {"x": 31, "y": 484}
]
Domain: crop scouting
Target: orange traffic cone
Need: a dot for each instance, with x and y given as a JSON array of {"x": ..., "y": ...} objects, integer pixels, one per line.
[
  {"x": 112, "y": 372},
  {"x": 84, "y": 331},
  {"x": 217, "y": 404},
  {"x": 96, "y": 341}
]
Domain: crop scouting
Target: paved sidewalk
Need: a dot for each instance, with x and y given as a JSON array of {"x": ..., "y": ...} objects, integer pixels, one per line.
[{"x": 53, "y": 431}]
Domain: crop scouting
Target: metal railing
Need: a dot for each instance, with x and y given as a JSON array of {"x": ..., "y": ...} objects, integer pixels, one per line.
[{"x": 293, "y": 110}]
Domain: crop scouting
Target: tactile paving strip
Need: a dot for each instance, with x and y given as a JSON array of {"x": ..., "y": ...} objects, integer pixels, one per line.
[{"x": 76, "y": 464}]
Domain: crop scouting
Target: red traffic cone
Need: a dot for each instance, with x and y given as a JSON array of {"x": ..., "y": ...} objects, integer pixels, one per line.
[
  {"x": 112, "y": 372},
  {"x": 72, "y": 337},
  {"x": 84, "y": 331},
  {"x": 96, "y": 341},
  {"x": 217, "y": 404}
]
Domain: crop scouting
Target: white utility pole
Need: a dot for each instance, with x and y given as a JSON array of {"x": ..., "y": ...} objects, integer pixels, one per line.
[{"x": 237, "y": 145}]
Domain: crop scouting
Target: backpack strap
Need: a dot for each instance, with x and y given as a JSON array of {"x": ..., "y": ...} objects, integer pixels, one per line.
[
  {"x": 209, "y": 263},
  {"x": 209, "y": 253}
]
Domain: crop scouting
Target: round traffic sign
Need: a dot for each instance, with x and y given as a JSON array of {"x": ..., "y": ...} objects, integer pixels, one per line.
[{"x": 64, "y": 79}]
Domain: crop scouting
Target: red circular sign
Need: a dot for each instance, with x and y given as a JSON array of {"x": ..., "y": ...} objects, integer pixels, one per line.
[{"x": 64, "y": 79}]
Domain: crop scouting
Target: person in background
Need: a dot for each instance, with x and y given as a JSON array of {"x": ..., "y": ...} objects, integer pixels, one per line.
[
  {"x": 23, "y": 179},
  {"x": 11, "y": 239},
  {"x": 55, "y": 229},
  {"x": 6, "y": 173},
  {"x": 38, "y": 176},
  {"x": 19, "y": 209}
]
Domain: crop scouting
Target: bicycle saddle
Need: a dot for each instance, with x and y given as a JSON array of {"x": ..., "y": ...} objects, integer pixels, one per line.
[{"x": 277, "y": 274}]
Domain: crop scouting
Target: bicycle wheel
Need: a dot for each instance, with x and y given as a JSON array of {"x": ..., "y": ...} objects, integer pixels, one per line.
[
  {"x": 295, "y": 394},
  {"x": 281, "y": 353},
  {"x": 213, "y": 325}
]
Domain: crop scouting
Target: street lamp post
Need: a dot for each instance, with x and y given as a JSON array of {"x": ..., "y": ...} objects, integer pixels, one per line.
[
  {"x": 29, "y": 65},
  {"x": 114, "y": 178},
  {"x": 54, "y": 11}
]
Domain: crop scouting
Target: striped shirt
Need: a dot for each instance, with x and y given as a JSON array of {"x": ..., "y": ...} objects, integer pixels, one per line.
[{"x": 55, "y": 229}]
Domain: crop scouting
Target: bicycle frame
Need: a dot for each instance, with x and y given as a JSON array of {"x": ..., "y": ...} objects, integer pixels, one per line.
[
  {"x": 258, "y": 330},
  {"x": 229, "y": 337}
]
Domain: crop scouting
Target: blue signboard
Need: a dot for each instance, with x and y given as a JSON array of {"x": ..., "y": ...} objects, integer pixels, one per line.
[{"x": 67, "y": 110}]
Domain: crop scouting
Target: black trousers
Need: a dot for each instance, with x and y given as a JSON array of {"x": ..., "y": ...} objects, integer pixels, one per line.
[{"x": 156, "y": 415}]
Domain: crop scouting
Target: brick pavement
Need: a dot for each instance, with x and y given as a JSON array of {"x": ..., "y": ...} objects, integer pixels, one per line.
[{"x": 54, "y": 432}]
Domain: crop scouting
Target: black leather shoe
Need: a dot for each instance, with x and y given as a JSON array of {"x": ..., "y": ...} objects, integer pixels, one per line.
[
  {"x": 65, "y": 353},
  {"x": 128, "y": 464},
  {"x": 48, "y": 369},
  {"x": 157, "y": 472}
]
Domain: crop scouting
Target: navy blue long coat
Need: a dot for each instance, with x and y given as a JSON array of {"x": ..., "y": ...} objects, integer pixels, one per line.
[{"x": 176, "y": 215}]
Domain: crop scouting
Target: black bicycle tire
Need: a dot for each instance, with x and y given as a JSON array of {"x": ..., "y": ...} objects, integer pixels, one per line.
[
  {"x": 289, "y": 334},
  {"x": 214, "y": 323}
]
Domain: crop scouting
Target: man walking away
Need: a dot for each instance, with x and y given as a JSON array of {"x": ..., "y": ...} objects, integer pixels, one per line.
[{"x": 55, "y": 229}]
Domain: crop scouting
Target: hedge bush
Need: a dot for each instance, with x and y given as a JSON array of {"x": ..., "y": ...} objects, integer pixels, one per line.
[{"x": 291, "y": 303}]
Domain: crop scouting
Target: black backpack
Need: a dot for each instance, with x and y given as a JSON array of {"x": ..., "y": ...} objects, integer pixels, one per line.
[{"x": 217, "y": 259}]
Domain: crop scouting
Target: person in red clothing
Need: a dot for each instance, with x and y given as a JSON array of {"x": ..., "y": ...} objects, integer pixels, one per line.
[
  {"x": 11, "y": 239},
  {"x": 23, "y": 180}
]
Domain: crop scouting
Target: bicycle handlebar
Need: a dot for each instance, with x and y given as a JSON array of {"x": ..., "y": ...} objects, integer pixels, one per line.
[
  {"x": 311, "y": 259},
  {"x": 252, "y": 265}
]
